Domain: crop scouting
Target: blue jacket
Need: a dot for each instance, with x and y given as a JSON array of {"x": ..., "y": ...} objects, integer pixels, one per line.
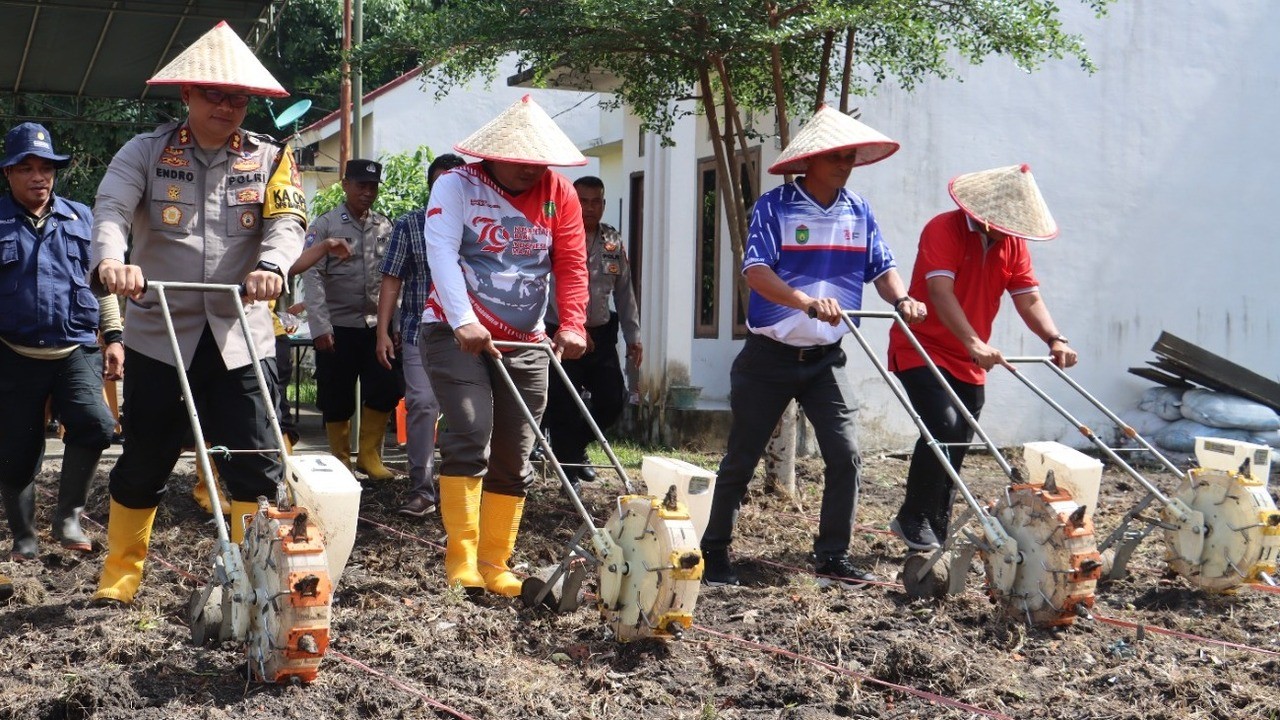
[{"x": 45, "y": 300}]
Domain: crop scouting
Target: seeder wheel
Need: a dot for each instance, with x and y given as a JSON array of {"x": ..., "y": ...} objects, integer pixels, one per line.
[
  {"x": 1241, "y": 530},
  {"x": 651, "y": 589},
  {"x": 932, "y": 584},
  {"x": 1059, "y": 566},
  {"x": 289, "y": 572},
  {"x": 204, "y": 612}
]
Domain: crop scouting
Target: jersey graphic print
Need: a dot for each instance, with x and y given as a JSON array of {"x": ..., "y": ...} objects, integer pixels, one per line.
[
  {"x": 825, "y": 252},
  {"x": 505, "y": 259}
]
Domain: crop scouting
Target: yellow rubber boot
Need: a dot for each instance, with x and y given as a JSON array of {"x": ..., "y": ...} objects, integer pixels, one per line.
[
  {"x": 340, "y": 440},
  {"x": 499, "y": 525},
  {"x": 460, "y": 513},
  {"x": 200, "y": 492},
  {"x": 128, "y": 536},
  {"x": 235, "y": 519},
  {"x": 6, "y": 588},
  {"x": 373, "y": 430}
]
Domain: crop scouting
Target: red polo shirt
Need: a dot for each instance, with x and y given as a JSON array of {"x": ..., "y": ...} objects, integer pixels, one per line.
[{"x": 948, "y": 247}]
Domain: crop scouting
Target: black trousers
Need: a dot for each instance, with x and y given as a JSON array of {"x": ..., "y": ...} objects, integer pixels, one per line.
[
  {"x": 233, "y": 413},
  {"x": 598, "y": 373},
  {"x": 75, "y": 385},
  {"x": 284, "y": 371},
  {"x": 930, "y": 493},
  {"x": 765, "y": 377},
  {"x": 353, "y": 358}
]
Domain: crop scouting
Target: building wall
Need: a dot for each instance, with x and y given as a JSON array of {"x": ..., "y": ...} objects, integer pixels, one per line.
[{"x": 1160, "y": 169}]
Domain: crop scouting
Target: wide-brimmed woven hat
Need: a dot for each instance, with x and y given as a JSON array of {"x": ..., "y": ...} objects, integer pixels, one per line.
[
  {"x": 1007, "y": 199},
  {"x": 830, "y": 130},
  {"x": 220, "y": 57},
  {"x": 523, "y": 133}
]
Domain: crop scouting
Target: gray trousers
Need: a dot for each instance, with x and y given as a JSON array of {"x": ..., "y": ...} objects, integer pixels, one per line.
[
  {"x": 422, "y": 409},
  {"x": 485, "y": 432},
  {"x": 766, "y": 376}
]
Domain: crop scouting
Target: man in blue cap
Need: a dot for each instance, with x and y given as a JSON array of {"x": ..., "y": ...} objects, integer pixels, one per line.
[{"x": 49, "y": 341}]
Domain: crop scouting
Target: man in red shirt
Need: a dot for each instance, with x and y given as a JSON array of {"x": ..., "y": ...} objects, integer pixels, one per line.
[{"x": 967, "y": 259}]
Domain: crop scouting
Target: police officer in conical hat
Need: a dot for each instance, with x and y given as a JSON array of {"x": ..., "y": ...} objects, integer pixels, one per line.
[{"x": 204, "y": 201}]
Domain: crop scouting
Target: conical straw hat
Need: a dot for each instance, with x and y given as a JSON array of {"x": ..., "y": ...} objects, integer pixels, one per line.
[
  {"x": 523, "y": 133},
  {"x": 1007, "y": 199},
  {"x": 220, "y": 57},
  {"x": 829, "y": 130}
]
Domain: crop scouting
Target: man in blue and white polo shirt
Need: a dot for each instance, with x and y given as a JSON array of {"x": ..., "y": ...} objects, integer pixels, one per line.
[{"x": 811, "y": 246}]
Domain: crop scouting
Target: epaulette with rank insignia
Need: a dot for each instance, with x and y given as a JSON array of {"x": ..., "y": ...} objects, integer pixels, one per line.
[
  {"x": 264, "y": 138},
  {"x": 284, "y": 190}
]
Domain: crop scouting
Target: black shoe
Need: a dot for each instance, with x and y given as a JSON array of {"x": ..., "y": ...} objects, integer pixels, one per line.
[
  {"x": 572, "y": 474},
  {"x": 417, "y": 506},
  {"x": 586, "y": 473},
  {"x": 717, "y": 569},
  {"x": 841, "y": 569},
  {"x": 916, "y": 533}
]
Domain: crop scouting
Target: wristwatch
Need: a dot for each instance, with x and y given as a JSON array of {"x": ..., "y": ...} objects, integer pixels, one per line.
[
  {"x": 270, "y": 267},
  {"x": 897, "y": 304},
  {"x": 1059, "y": 339}
]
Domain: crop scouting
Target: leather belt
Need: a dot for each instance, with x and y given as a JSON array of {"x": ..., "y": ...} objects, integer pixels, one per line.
[{"x": 800, "y": 354}]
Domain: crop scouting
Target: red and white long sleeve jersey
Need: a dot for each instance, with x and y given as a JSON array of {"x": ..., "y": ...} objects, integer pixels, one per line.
[{"x": 491, "y": 252}]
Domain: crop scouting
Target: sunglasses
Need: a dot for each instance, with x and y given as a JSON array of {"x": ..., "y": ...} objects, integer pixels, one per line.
[{"x": 235, "y": 100}]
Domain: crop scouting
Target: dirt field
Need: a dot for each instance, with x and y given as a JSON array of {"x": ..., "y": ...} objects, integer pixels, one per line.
[{"x": 781, "y": 647}]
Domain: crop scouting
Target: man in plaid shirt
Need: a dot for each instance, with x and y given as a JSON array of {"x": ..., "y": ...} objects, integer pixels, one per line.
[{"x": 406, "y": 275}]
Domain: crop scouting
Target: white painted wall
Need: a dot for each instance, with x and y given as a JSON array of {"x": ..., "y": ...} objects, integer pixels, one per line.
[{"x": 1161, "y": 170}]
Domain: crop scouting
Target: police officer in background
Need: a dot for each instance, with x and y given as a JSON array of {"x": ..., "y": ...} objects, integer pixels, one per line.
[
  {"x": 342, "y": 307},
  {"x": 597, "y": 372},
  {"x": 49, "y": 341},
  {"x": 200, "y": 200}
]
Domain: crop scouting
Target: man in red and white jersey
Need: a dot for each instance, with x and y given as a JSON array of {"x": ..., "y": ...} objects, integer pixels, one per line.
[{"x": 494, "y": 231}]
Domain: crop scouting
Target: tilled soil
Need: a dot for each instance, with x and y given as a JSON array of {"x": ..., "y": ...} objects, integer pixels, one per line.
[{"x": 405, "y": 646}]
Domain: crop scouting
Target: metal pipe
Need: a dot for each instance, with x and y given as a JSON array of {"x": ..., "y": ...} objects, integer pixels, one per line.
[
  {"x": 994, "y": 534},
  {"x": 1084, "y": 429},
  {"x": 197, "y": 432}
]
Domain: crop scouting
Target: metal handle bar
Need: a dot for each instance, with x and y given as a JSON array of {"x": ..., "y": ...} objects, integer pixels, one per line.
[
  {"x": 541, "y": 438},
  {"x": 1153, "y": 493},
  {"x": 1085, "y": 429},
  {"x": 202, "y": 452},
  {"x": 993, "y": 532}
]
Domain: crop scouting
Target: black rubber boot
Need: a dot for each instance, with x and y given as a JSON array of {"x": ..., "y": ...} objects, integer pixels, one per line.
[
  {"x": 79, "y": 464},
  {"x": 20, "y": 507}
]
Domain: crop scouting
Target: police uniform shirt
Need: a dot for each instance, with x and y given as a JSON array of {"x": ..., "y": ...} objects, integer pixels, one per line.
[
  {"x": 195, "y": 217},
  {"x": 610, "y": 275},
  {"x": 344, "y": 293}
]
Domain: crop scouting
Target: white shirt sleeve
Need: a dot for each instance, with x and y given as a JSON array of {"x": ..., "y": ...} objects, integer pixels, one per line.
[{"x": 443, "y": 234}]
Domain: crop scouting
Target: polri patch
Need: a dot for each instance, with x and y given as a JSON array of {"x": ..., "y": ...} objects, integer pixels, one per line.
[
  {"x": 171, "y": 215},
  {"x": 248, "y": 219}
]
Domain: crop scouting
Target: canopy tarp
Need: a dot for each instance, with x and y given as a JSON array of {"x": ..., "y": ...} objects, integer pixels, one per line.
[{"x": 108, "y": 48}]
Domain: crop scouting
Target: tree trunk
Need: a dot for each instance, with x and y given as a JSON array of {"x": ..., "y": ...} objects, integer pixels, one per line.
[
  {"x": 847, "y": 79},
  {"x": 828, "y": 40},
  {"x": 780, "y": 456}
]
